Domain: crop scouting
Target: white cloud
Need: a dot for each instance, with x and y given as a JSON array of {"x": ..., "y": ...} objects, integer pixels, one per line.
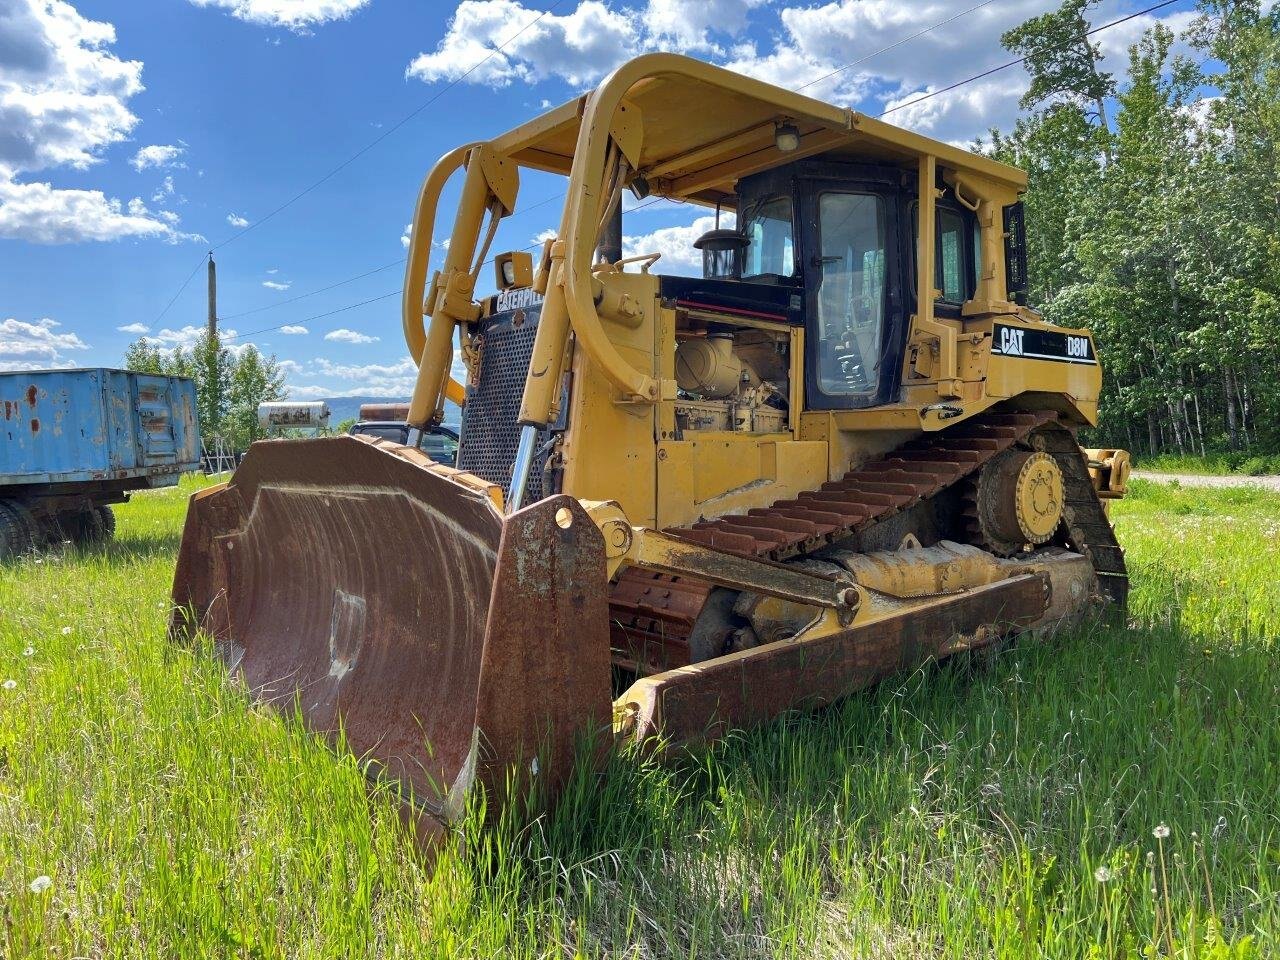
[
  {"x": 62, "y": 93},
  {"x": 366, "y": 371},
  {"x": 294, "y": 330},
  {"x": 187, "y": 336},
  {"x": 277, "y": 285},
  {"x": 31, "y": 346},
  {"x": 63, "y": 101},
  {"x": 377, "y": 379},
  {"x": 959, "y": 115},
  {"x": 343, "y": 335},
  {"x": 578, "y": 47},
  {"x": 273, "y": 271},
  {"x": 687, "y": 24},
  {"x": 679, "y": 256},
  {"x": 164, "y": 191},
  {"x": 289, "y": 366},
  {"x": 237, "y": 221},
  {"x": 296, "y": 15},
  {"x": 869, "y": 54},
  {"x": 159, "y": 155},
  {"x": 404, "y": 237},
  {"x": 134, "y": 328},
  {"x": 38, "y": 213}
]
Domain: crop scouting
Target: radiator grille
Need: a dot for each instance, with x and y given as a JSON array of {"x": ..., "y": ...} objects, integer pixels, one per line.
[{"x": 490, "y": 433}]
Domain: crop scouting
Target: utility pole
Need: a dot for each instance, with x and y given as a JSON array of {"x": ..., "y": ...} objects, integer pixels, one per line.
[
  {"x": 213, "y": 299},
  {"x": 212, "y": 399}
]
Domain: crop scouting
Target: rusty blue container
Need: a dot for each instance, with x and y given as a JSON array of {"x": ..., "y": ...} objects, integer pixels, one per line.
[{"x": 109, "y": 428}]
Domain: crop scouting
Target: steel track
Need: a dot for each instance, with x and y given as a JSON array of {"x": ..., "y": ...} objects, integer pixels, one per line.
[{"x": 657, "y": 612}]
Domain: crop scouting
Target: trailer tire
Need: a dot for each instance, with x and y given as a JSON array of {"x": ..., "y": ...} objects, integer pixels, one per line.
[
  {"x": 17, "y": 530},
  {"x": 88, "y": 528},
  {"x": 106, "y": 523}
]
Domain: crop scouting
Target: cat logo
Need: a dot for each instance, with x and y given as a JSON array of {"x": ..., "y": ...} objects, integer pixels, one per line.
[
  {"x": 1011, "y": 341},
  {"x": 519, "y": 299},
  {"x": 1032, "y": 343}
]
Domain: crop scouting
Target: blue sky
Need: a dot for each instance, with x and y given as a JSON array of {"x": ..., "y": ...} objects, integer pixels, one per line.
[{"x": 136, "y": 134}]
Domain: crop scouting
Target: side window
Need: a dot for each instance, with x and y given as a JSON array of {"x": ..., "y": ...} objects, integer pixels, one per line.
[
  {"x": 953, "y": 261},
  {"x": 949, "y": 267},
  {"x": 770, "y": 248}
]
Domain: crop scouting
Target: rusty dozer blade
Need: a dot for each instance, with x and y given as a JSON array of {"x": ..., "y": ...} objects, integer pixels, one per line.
[{"x": 389, "y": 598}]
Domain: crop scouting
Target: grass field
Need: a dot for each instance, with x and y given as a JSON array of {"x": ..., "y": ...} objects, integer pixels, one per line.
[{"x": 1109, "y": 794}]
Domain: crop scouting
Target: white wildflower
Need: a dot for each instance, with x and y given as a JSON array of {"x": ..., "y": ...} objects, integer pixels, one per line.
[
  {"x": 9, "y": 684},
  {"x": 66, "y": 631},
  {"x": 1160, "y": 832},
  {"x": 41, "y": 883},
  {"x": 1103, "y": 874},
  {"x": 28, "y": 651}
]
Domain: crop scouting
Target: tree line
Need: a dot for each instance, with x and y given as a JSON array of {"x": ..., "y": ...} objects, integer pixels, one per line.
[
  {"x": 1153, "y": 217},
  {"x": 229, "y": 384}
]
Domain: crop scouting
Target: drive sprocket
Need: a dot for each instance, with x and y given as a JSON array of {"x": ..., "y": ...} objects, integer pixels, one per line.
[{"x": 1015, "y": 501}]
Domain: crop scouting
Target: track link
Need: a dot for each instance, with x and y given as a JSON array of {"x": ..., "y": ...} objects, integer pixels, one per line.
[{"x": 660, "y": 611}]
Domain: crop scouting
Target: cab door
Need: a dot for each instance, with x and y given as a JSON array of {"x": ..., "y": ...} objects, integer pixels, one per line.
[{"x": 852, "y": 269}]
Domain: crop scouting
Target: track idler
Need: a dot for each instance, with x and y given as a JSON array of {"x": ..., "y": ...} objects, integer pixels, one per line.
[{"x": 387, "y": 599}]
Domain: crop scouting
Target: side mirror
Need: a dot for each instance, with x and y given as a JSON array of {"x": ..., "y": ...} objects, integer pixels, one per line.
[{"x": 1015, "y": 252}]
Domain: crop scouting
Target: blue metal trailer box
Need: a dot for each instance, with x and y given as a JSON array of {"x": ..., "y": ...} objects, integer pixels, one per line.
[
  {"x": 60, "y": 426},
  {"x": 73, "y": 441}
]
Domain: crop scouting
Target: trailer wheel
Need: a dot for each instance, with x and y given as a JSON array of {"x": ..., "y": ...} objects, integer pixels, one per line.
[
  {"x": 106, "y": 522},
  {"x": 17, "y": 530},
  {"x": 88, "y": 528}
]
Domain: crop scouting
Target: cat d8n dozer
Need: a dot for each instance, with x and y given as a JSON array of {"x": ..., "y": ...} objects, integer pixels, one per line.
[{"x": 680, "y": 504}]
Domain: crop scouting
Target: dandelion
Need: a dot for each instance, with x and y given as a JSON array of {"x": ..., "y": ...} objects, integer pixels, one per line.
[
  {"x": 1103, "y": 875},
  {"x": 28, "y": 651},
  {"x": 41, "y": 883},
  {"x": 9, "y": 684},
  {"x": 1161, "y": 832},
  {"x": 66, "y": 631}
]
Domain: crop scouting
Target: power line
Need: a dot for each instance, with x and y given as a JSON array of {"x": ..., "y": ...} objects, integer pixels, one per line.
[
  {"x": 388, "y": 266},
  {"x": 896, "y": 44},
  {"x": 390, "y": 130},
  {"x": 362, "y": 151},
  {"x": 1022, "y": 60},
  {"x": 174, "y": 298},
  {"x": 393, "y": 293},
  {"x": 921, "y": 99},
  {"x": 312, "y": 293}
]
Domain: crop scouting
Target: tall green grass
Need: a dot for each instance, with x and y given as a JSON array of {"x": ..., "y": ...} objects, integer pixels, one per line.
[
  {"x": 1213, "y": 464},
  {"x": 983, "y": 809}
]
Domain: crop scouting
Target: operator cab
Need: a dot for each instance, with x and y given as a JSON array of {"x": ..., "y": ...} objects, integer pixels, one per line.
[{"x": 837, "y": 241}]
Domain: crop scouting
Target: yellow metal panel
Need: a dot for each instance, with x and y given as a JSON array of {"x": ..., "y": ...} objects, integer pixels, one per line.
[{"x": 718, "y": 473}]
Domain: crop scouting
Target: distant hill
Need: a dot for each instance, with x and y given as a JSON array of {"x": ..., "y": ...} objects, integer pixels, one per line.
[{"x": 348, "y": 408}]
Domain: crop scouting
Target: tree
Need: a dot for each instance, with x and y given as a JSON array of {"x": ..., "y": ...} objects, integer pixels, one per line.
[
  {"x": 254, "y": 380},
  {"x": 1063, "y": 63},
  {"x": 212, "y": 366},
  {"x": 1160, "y": 229}
]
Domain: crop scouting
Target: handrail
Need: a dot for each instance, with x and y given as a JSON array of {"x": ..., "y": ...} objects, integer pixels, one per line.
[{"x": 418, "y": 262}]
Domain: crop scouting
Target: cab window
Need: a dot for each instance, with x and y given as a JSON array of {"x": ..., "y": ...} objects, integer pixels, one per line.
[
  {"x": 851, "y": 292},
  {"x": 953, "y": 258},
  {"x": 767, "y": 227}
]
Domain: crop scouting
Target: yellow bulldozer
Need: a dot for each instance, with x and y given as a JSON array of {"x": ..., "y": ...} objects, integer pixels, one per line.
[{"x": 680, "y": 504}]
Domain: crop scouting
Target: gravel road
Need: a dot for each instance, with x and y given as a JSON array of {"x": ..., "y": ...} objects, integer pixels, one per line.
[{"x": 1198, "y": 480}]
